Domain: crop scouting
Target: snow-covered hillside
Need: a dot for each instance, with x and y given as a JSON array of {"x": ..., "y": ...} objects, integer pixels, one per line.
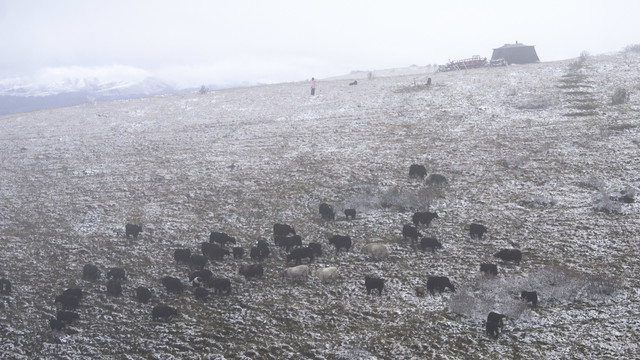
[{"x": 532, "y": 152}]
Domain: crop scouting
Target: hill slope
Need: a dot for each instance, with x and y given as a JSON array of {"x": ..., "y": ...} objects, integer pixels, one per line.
[{"x": 533, "y": 152}]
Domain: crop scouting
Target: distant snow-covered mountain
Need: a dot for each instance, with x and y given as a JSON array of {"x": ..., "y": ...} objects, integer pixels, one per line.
[{"x": 17, "y": 95}]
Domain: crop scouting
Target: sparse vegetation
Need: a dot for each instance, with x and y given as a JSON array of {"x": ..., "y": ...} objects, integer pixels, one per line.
[
  {"x": 182, "y": 168},
  {"x": 632, "y": 48},
  {"x": 620, "y": 96},
  {"x": 537, "y": 103}
]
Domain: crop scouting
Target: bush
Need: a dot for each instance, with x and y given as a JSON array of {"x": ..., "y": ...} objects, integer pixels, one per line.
[
  {"x": 620, "y": 96},
  {"x": 584, "y": 56},
  {"x": 606, "y": 205},
  {"x": 632, "y": 48},
  {"x": 537, "y": 103},
  {"x": 376, "y": 197},
  {"x": 203, "y": 90}
]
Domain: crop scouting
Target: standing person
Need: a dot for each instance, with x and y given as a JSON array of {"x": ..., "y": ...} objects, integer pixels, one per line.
[{"x": 313, "y": 86}]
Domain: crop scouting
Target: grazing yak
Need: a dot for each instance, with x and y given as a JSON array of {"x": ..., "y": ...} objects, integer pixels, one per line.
[
  {"x": 221, "y": 238},
  {"x": 117, "y": 274},
  {"x": 77, "y": 292},
  {"x": 327, "y": 274},
  {"x": 172, "y": 284},
  {"x": 288, "y": 242},
  {"x": 376, "y": 251},
  {"x": 182, "y": 256},
  {"x": 214, "y": 251},
  {"x": 258, "y": 253},
  {"x": 203, "y": 274},
  {"x": 316, "y": 247},
  {"x": 341, "y": 242},
  {"x": 283, "y": 230},
  {"x": 489, "y": 269},
  {"x": 354, "y": 82},
  {"x": 436, "y": 180},
  {"x": 411, "y": 232},
  {"x": 220, "y": 285},
  {"x": 350, "y": 214},
  {"x": 238, "y": 252},
  {"x": 373, "y": 283},
  {"x": 90, "y": 272},
  {"x": 424, "y": 218},
  {"x": 430, "y": 243},
  {"x": 300, "y": 272},
  {"x": 417, "y": 171},
  {"x": 5, "y": 286},
  {"x": 476, "y": 231},
  {"x": 56, "y": 324},
  {"x": 201, "y": 293},
  {"x": 143, "y": 294},
  {"x": 439, "y": 284},
  {"x": 494, "y": 324},
  {"x": 114, "y": 287},
  {"x": 509, "y": 255},
  {"x": 530, "y": 296},
  {"x": 67, "y": 317},
  {"x": 298, "y": 254},
  {"x": 251, "y": 270},
  {"x": 68, "y": 302},
  {"x": 131, "y": 229},
  {"x": 198, "y": 261},
  {"x": 163, "y": 312},
  {"x": 326, "y": 212}
]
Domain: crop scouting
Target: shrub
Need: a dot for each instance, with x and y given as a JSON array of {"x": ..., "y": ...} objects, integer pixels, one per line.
[
  {"x": 537, "y": 103},
  {"x": 620, "y": 96},
  {"x": 632, "y": 48},
  {"x": 584, "y": 56},
  {"x": 606, "y": 205},
  {"x": 203, "y": 90}
]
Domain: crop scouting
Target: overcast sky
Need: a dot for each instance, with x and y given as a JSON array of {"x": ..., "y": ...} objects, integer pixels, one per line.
[{"x": 192, "y": 42}]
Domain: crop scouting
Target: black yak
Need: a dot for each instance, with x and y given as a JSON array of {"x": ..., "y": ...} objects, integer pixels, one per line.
[
  {"x": 90, "y": 272},
  {"x": 476, "y": 231},
  {"x": 341, "y": 242},
  {"x": 250, "y": 271},
  {"x": 172, "y": 284},
  {"x": 509, "y": 255},
  {"x": 182, "y": 256},
  {"x": 373, "y": 283},
  {"x": 417, "y": 171},
  {"x": 489, "y": 269},
  {"x": 411, "y": 232},
  {"x": 117, "y": 274},
  {"x": 430, "y": 243},
  {"x": 350, "y": 213},
  {"x": 301, "y": 253},
  {"x": 220, "y": 285},
  {"x": 131, "y": 229},
  {"x": 530, "y": 296},
  {"x": 143, "y": 294},
  {"x": 439, "y": 284},
  {"x": 114, "y": 288},
  {"x": 494, "y": 324},
  {"x": 163, "y": 312},
  {"x": 327, "y": 212},
  {"x": 424, "y": 218},
  {"x": 283, "y": 230},
  {"x": 221, "y": 238},
  {"x": 5, "y": 286}
]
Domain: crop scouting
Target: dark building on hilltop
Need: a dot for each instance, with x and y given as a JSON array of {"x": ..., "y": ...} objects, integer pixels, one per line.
[{"x": 515, "y": 54}]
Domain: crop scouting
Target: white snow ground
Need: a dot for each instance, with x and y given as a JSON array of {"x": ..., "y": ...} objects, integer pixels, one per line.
[{"x": 530, "y": 151}]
